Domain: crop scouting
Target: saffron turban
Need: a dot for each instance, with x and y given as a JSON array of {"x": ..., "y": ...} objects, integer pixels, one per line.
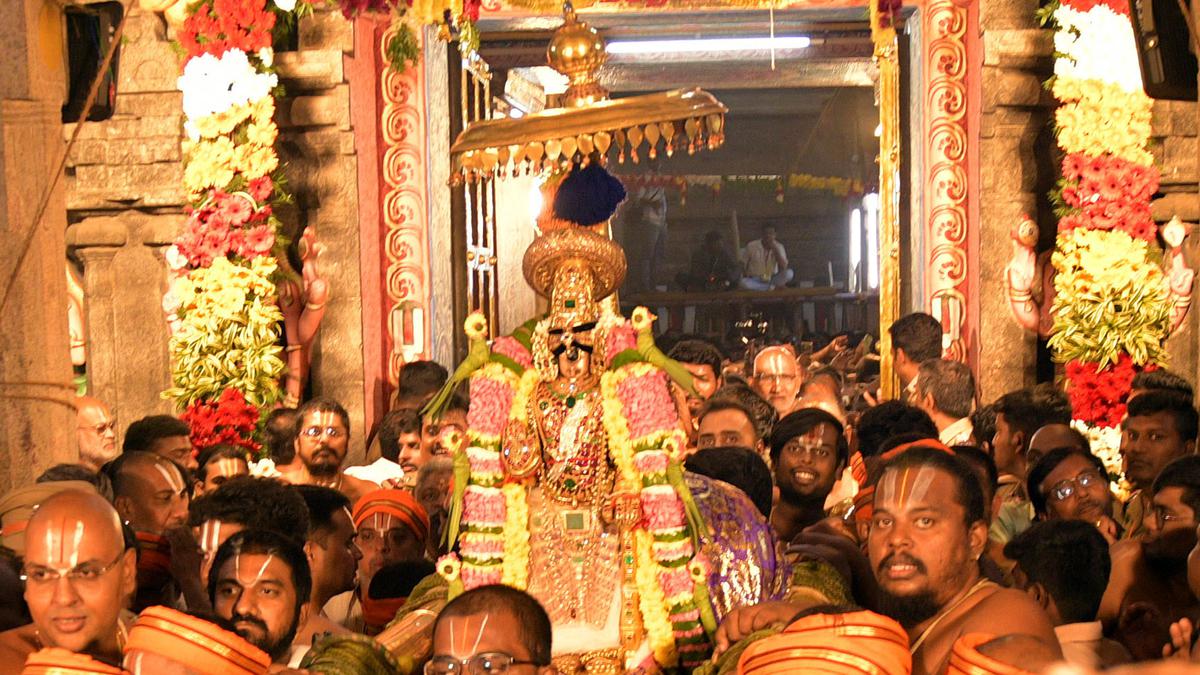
[
  {"x": 399, "y": 504},
  {"x": 965, "y": 658},
  {"x": 850, "y": 643},
  {"x": 18, "y": 505},
  {"x": 57, "y": 661},
  {"x": 202, "y": 646}
]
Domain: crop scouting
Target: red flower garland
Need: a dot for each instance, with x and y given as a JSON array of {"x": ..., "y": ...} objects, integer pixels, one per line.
[
  {"x": 1119, "y": 6},
  {"x": 220, "y": 25},
  {"x": 1098, "y": 397},
  {"x": 1108, "y": 193},
  {"x": 230, "y": 420}
]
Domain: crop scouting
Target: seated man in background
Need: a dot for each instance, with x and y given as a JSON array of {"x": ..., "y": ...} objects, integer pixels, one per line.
[
  {"x": 1148, "y": 588},
  {"x": 494, "y": 629},
  {"x": 713, "y": 266},
  {"x": 164, "y": 435},
  {"x": 1064, "y": 566},
  {"x": 218, "y": 464},
  {"x": 765, "y": 263},
  {"x": 79, "y": 573}
]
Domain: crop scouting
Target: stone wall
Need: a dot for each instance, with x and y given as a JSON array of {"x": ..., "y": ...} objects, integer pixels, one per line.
[
  {"x": 1016, "y": 169},
  {"x": 125, "y": 204}
]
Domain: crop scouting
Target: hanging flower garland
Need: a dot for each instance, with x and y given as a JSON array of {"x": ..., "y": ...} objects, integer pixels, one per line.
[{"x": 1112, "y": 309}]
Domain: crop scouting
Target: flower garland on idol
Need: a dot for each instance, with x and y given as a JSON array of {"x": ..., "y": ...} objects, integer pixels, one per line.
[
  {"x": 639, "y": 416},
  {"x": 1113, "y": 304}
]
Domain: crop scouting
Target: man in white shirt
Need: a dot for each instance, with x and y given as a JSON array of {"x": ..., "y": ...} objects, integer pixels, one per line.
[
  {"x": 765, "y": 263},
  {"x": 946, "y": 390}
]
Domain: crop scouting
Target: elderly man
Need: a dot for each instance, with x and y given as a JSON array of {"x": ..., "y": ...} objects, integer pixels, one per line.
[
  {"x": 95, "y": 432},
  {"x": 494, "y": 629},
  {"x": 260, "y": 583},
  {"x": 79, "y": 575},
  {"x": 946, "y": 390},
  {"x": 391, "y": 527},
  {"x": 322, "y": 441},
  {"x": 778, "y": 377},
  {"x": 164, "y": 435}
]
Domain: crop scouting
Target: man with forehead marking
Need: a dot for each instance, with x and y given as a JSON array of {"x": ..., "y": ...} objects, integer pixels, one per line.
[
  {"x": 95, "y": 432},
  {"x": 491, "y": 627},
  {"x": 79, "y": 576},
  {"x": 808, "y": 451},
  {"x": 778, "y": 377},
  {"x": 322, "y": 440},
  {"x": 218, "y": 464}
]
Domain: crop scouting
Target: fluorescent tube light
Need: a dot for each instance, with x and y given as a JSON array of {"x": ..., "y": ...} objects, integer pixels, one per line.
[{"x": 741, "y": 44}]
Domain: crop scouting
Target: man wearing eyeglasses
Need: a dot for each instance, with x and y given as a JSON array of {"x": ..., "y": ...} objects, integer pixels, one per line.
[
  {"x": 490, "y": 630},
  {"x": 322, "y": 440},
  {"x": 78, "y": 576},
  {"x": 777, "y": 377},
  {"x": 1148, "y": 588},
  {"x": 95, "y": 432},
  {"x": 1072, "y": 484}
]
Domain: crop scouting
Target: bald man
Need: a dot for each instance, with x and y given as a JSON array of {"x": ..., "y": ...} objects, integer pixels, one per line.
[
  {"x": 1053, "y": 437},
  {"x": 777, "y": 377},
  {"x": 79, "y": 577},
  {"x": 95, "y": 432}
]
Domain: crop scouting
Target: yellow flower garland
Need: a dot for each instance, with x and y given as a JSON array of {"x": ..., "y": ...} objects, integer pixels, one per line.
[
  {"x": 1100, "y": 117},
  {"x": 655, "y": 617},
  {"x": 516, "y": 540}
]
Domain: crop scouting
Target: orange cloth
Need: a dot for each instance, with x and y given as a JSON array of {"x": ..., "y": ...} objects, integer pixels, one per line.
[
  {"x": 931, "y": 443},
  {"x": 57, "y": 661},
  {"x": 966, "y": 660},
  {"x": 198, "y": 644},
  {"x": 17, "y": 506},
  {"x": 858, "y": 468},
  {"x": 852, "y": 643},
  {"x": 399, "y": 504},
  {"x": 864, "y": 504}
]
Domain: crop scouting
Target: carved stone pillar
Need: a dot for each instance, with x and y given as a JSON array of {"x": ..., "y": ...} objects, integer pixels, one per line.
[{"x": 124, "y": 276}]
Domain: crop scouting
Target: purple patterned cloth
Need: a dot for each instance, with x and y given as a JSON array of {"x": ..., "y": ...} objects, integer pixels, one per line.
[{"x": 748, "y": 565}]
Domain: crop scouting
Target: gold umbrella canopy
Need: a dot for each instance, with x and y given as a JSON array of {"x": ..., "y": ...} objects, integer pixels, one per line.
[{"x": 685, "y": 118}]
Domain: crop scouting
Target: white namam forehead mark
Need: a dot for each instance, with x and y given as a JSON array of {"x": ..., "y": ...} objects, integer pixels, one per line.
[
  {"x": 326, "y": 418},
  {"x": 226, "y": 466},
  {"x": 774, "y": 359},
  {"x": 62, "y": 543},
  {"x": 901, "y": 486},
  {"x": 210, "y": 537},
  {"x": 171, "y": 475},
  {"x": 458, "y": 647},
  {"x": 237, "y": 571}
]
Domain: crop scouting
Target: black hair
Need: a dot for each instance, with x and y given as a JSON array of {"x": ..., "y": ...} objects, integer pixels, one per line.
[
  {"x": 256, "y": 504},
  {"x": 1046, "y": 464},
  {"x": 976, "y": 457},
  {"x": 983, "y": 422},
  {"x": 279, "y": 435},
  {"x": 721, "y": 403},
  {"x": 802, "y": 421},
  {"x": 1070, "y": 559},
  {"x": 699, "y": 352},
  {"x": 419, "y": 379},
  {"x": 967, "y": 491},
  {"x": 219, "y": 451},
  {"x": 1161, "y": 379},
  {"x": 1182, "y": 473},
  {"x": 888, "y": 419},
  {"x": 321, "y": 404},
  {"x": 740, "y": 467},
  {"x": 1179, "y": 407},
  {"x": 1027, "y": 410},
  {"x": 762, "y": 413},
  {"x": 266, "y": 542},
  {"x": 61, "y": 472},
  {"x": 950, "y": 383},
  {"x": 398, "y": 579},
  {"x": 919, "y": 335},
  {"x": 588, "y": 195},
  {"x": 458, "y": 401},
  {"x": 322, "y": 503},
  {"x": 395, "y": 424},
  {"x": 533, "y": 624},
  {"x": 144, "y": 433}
]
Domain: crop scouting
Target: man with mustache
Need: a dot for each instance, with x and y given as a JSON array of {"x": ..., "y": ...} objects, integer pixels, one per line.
[
  {"x": 1148, "y": 588},
  {"x": 1160, "y": 427},
  {"x": 261, "y": 584},
  {"x": 808, "y": 451},
  {"x": 927, "y": 533},
  {"x": 322, "y": 440},
  {"x": 778, "y": 377},
  {"x": 443, "y": 435},
  {"x": 401, "y": 451},
  {"x": 95, "y": 432},
  {"x": 703, "y": 360},
  {"x": 1072, "y": 484},
  {"x": 79, "y": 574}
]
